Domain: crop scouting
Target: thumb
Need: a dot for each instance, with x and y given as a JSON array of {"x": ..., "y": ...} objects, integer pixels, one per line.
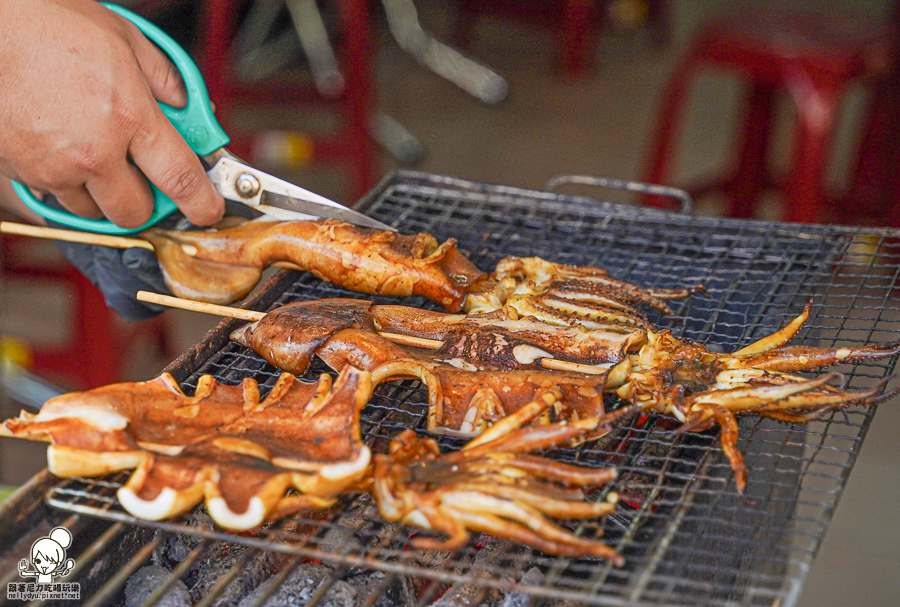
[{"x": 162, "y": 76}]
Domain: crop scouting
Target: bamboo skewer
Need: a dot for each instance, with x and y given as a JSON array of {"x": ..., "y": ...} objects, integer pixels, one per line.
[
  {"x": 103, "y": 240},
  {"x": 199, "y": 306},
  {"x": 122, "y": 242},
  {"x": 119, "y": 242},
  {"x": 406, "y": 340}
]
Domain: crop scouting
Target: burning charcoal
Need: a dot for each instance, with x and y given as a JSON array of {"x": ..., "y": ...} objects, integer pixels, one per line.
[
  {"x": 516, "y": 598},
  {"x": 485, "y": 564},
  {"x": 341, "y": 534},
  {"x": 146, "y": 580},
  {"x": 176, "y": 547},
  {"x": 341, "y": 594},
  {"x": 370, "y": 582},
  {"x": 295, "y": 590},
  {"x": 215, "y": 564}
]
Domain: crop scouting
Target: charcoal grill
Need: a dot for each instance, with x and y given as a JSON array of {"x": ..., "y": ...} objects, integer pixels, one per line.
[{"x": 687, "y": 536}]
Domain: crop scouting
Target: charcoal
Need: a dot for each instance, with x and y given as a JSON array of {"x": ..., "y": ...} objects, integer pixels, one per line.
[
  {"x": 111, "y": 559},
  {"x": 485, "y": 564},
  {"x": 370, "y": 582},
  {"x": 341, "y": 594},
  {"x": 342, "y": 535},
  {"x": 176, "y": 547},
  {"x": 218, "y": 562},
  {"x": 295, "y": 590},
  {"x": 516, "y": 598},
  {"x": 359, "y": 526},
  {"x": 146, "y": 580}
]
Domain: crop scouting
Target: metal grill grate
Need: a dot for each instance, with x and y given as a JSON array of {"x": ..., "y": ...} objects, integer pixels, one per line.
[{"x": 688, "y": 538}]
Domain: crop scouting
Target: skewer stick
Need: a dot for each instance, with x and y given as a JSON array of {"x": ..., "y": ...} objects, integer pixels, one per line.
[
  {"x": 406, "y": 340},
  {"x": 119, "y": 242},
  {"x": 103, "y": 240},
  {"x": 563, "y": 365},
  {"x": 199, "y": 306},
  {"x": 411, "y": 340}
]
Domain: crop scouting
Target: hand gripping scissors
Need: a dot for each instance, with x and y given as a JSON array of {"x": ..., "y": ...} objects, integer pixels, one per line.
[{"x": 234, "y": 179}]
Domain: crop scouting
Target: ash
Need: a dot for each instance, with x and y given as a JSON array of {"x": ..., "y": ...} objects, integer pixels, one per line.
[{"x": 241, "y": 576}]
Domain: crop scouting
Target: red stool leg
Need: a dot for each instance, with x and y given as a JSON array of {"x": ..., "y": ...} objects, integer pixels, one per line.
[
  {"x": 663, "y": 151},
  {"x": 100, "y": 356},
  {"x": 577, "y": 27},
  {"x": 357, "y": 61},
  {"x": 804, "y": 192},
  {"x": 751, "y": 176}
]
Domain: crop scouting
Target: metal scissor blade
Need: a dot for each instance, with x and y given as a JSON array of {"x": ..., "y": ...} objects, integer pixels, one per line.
[
  {"x": 315, "y": 209},
  {"x": 240, "y": 182}
]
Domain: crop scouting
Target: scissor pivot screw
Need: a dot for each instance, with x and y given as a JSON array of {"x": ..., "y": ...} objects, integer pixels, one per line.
[{"x": 246, "y": 185}]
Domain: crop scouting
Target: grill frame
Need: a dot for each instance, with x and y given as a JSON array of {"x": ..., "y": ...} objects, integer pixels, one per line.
[{"x": 696, "y": 476}]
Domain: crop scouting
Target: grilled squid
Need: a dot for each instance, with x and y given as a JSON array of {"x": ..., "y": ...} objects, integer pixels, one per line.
[
  {"x": 463, "y": 401},
  {"x": 359, "y": 259},
  {"x": 703, "y": 389},
  {"x": 224, "y": 445}
]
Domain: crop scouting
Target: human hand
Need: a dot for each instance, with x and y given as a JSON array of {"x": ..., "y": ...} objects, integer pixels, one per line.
[{"x": 80, "y": 98}]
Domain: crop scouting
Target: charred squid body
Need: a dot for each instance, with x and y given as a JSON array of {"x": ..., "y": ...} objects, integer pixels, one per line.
[
  {"x": 502, "y": 340},
  {"x": 223, "y": 445},
  {"x": 359, "y": 259},
  {"x": 493, "y": 486},
  {"x": 496, "y": 341},
  {"x": 702, "y": 389},
  {"x": 567, "y": 295},
  {"x": 461, "y": 402}
]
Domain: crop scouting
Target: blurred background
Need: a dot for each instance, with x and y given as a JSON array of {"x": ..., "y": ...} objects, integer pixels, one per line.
[{"x": 774, "y": 110}]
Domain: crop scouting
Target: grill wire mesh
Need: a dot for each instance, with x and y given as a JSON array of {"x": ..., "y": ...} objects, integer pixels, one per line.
[{"x": 687, "y": 536}]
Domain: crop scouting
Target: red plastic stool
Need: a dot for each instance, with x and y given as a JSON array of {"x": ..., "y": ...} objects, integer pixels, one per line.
[
  {"x": 98, "y": 343},
  {"x": 349, "y": 145},
  {"x": 576, "y": 23},
  {"x": 813, "y": 57}
]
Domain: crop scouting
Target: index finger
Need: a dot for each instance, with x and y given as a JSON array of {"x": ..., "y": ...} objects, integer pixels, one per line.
[{"x": 171, "y": 165}]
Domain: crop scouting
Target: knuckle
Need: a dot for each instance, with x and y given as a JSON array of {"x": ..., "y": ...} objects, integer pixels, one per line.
[
  {"x": 89, "y": 161},
  {"x": 181, "y": 184},
  {"x": 171, "y": 77},
  {"x": 137, "y": 216},
  {"x": 127, "y": 116}
]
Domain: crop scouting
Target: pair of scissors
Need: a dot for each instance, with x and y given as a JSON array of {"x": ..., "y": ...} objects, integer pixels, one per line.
[{"x": 234, "y": 179}]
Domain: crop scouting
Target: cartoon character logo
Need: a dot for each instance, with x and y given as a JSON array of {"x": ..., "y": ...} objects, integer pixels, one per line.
[{"x": 48, "y": 555}]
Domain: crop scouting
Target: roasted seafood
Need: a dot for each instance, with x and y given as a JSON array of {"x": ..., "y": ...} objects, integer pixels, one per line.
[
  {"x": 491, "y": 485},
  {"x": 702, "y": 388},
  {"x": 222, "y": 445},
  {"x": 242, "y": 455},
  {"x": 461, "y": 401},
  {"x": 503, "y": 340},
  {"x": 494, "y": 341},
  {"x": 566, "y": 295},
  {"x": 359, "y": 259},
  {"x": 221, "y": 266}
]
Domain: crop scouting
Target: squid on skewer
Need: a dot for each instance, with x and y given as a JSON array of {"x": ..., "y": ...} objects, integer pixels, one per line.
[
  {"x": 461, "y": 401},
  {"x": 242, "y": 455},
  {"x": 568, "y": 295},
  {"x": 702, "y": 388},
  {"x": 224, "y": 265},
  {"x": 493, "y": 486},
  {"x": 495, "y": 341},
  {"x": 223, "y": 445}
]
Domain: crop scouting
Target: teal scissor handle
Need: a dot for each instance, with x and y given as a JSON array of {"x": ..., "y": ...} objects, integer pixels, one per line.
[{"x": 196, "y": 123}]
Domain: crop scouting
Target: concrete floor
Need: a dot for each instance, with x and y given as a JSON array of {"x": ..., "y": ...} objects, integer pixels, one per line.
[{"x": 600, "y": 124}]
